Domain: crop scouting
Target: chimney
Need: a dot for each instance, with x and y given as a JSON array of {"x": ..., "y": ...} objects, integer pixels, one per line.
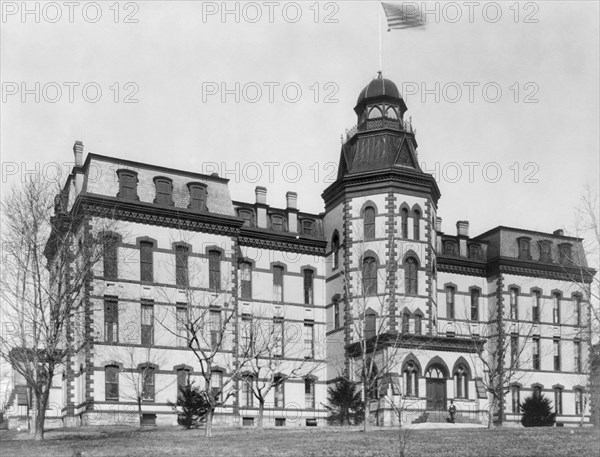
[
  {"x": 261, "y": 195},
  {"x": 291, "y": 199},
  {"x": 78, "y": 153},
  {"x": 559, "y": 232},
  {"x": 462, "y": 228},
  {"x": 438, "y": 224}
]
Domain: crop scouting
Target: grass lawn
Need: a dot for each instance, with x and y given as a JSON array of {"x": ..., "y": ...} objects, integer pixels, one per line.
[{"x": 330, "y": 442}]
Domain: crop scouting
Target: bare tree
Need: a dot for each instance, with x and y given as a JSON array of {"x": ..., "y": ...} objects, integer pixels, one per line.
[{"x": 42, "y": 286}]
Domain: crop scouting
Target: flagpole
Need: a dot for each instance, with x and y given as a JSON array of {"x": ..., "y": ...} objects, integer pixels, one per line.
[{"x": 379, "y": 21}]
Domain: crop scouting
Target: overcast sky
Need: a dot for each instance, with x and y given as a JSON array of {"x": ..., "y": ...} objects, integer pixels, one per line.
[{"x": 528, "y": 105}]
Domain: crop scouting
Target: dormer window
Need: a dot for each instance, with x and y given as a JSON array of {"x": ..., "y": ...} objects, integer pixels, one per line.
[
  {"x": 164, "y": 191},
  {"x": 308, "y": 227},
  {"x": 450, "y": 248},
  {"x": 524, "y": 248},
  {"x": 127, "y": 184},
  {"x": 197, "y": 196},
  {"x": 545, "y": 247},
  {"x": 277, "y": 223},
  {"x": 474, "y": 252},
  {"x": 565, "y": 254},
  {"x": 375, "y": 113},
  {"x": 248, "y": 217}
]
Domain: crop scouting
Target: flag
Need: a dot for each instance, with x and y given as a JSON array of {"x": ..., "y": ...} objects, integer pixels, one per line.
[{"x": 403, "y": 16}]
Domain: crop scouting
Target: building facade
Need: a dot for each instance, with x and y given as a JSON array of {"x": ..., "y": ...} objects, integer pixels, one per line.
[{"x": 373, "y": 279}]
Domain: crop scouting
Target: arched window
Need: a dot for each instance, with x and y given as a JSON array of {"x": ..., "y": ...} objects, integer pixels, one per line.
[
  {"x": 375, "y": 113},
  {"x": 411, "y": 276},
  {"x": 416, "y": 224},
  {"x": 278, "y": 223},
  {"x": 370, "y": 276},
  {"x": 475, "y": 304},
  {"x": 411, "y": 380},
  {"x": 405, "y": 322},
  {"x": 461, "y": 382},
  {"x": 197, "y": 195},
  {"x": 514, "y": 303},
  {"x": 535, "y": 305},
  {"x": 404, "y": 223},
  {"x": 335, "y": 248},
  {"x": 370, "y": 324},
  {"x": 435, "y": 372},
  {"x": 164, "y": 190},
  {"x": 391, "y": 113},
  {"x": 369, "y": 222},
  {"x": 450, "y": 292}
]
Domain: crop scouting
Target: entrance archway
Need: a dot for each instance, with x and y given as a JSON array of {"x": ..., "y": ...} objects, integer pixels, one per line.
[{"x": 435, "y": 388}]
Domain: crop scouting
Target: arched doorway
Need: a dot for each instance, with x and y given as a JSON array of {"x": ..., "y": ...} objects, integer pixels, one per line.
[{"x": 435, "y": 388}]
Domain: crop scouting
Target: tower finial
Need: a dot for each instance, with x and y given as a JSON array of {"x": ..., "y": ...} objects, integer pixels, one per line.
[{"x": 379, "y": 74}]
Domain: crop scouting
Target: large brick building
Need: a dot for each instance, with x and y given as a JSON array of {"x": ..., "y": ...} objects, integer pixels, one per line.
[{"x": 376, "y": 256}]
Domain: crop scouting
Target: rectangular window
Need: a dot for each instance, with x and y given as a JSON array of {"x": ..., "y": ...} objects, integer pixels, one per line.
[
  {"x": 181, "y": 266},
  {"x": 556, "y": 308},
  {"x": 214, "y": 268},
  {"x": 450, "y": 291},
  {"x": 147, "y": 323},
  {"x": 545, "y": 251},
  {"x": 577, "y": 356},
  {"x": 308, "y": 287},
  {"x": 514, "y": 303},
  {"x": 564, "y": 254},
  {"x": 216, "y": 385},
  {"x": 336, "y": 313},
  {"x": 535, "y": 306},
  {"x": 110, "y": 257},
  {"x": 280, "y": 422},
  {"x": 474, "y": 304},
  {"x": 516, "y": 398},
  {"x": 246, "y": 280},
  {"x": 558, "y": 400},
  {"x": 418, "y": 319},
  {"x": 215, "y": 329},
  {"x": 536, "y": 353},
  {"x": 247, "y": 335},
  {"x": 148, "y": 383},
  {"x": 278, "y": 284},
  {"x": 524, "y": 252},
  {"x": 111, "y": 382},
  {"x": 578, "y": 402},
  {"x": 111, "y": 320},
  {"x": 181, "y": 326},
  {"x": 279, "y": 392},
  {"x": 277, "y": 337},
  {"x": 277, "y": 223},
  {"x": 405, "y": 323},
  {"x": 146, "y": 261},
  {"x": 247, "y": 421},
  {"x": 309, "y": 394},
  {"x": 577, "y": 300},
  {"x": 183, "y": 377},
  {"x": 309, "y": 340},
  {"x": 514, "y": 350},
  {"x": 164, "y": 189},
  {"x": 197, "y": 196},
  {"x": 556, "y": 355},
  {"x": 127, "y": 184},
  {"x": 247, "y": 395}
]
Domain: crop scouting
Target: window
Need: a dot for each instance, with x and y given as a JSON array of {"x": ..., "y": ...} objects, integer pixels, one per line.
[
  {"x": 537, "y": 391},
  {"x": 214, "y": 269},
  {"x": 524, "y": 248},
  {"x": 391, "y": 113},
  {"x": 164, "y": 191},
  {"x": 370, "y": 324},
  {"x": 577, "y": 305},
  {"x": 278, "y": 337},
  {"x": 416, "y": 224},
  {"x": 411, "y": 276},
  {"x": 514, "y": 302},
  {"x": 216, "y": 385},
  {"x": 278, "y": 223},
  {"x": 111, "y": 319},
  {"x": 545, "y": 248},
  {"x": 308, "y": 287},
  {"x": 450, "y": 248},
  {"x": 556, "y": 308},
  {"x": 110, "y": 256},
  {"x": 278, "y": 284},
  {"x": 418, "y": 326},
  {"x": 411, "y": 380},
  {"x": 335, "y": 247},
  {"x": 336, "y": 312},
  {"x": 215, "y": 329},
  {"x": 564, "y": 254},
  {"x": 450, "y": 292},
  {"x": 516, "y": 398},
  {"x": 404, "y": 223},
  {"x": 247, "y": 335},
  {"x": 146, "y": 261},
  {"x": 579, "y": 401},
  {"x": 308, "y": 227},
  {"x": 147, "y": 383},
  {"x": 279, "y": 392},
  {"x": 247, "y": 421},
  {"x": 181, "y": 326},
  {"x": 461, "y": 383},
  {"x": 514, "y": 350},
  {"x": 475, "y": 304},
  {"x": 309, "y": 393},
  {"x": 405, "y": 322},
  {"x": 535, "y": 306},
  {"x": 375, "y": 113},
  {"x": 280, "y": 422},
  {"x": 181, "y": 265},
  {"x": 147, "y": 323},
  {"x": 197, "y": 196},
  {"x": 127, "y": 184},
  {"x": 577, "y": 356},
  {"x": 369, "y": 276},
  {"x": 246, "y": 280},
  {"x": 111, "y": 382},
  {"x": 369, "y": 223},
  {"x": 474, "y": 252},
  {"x": 536, "y": 353},
  {"x": 247, "y": 395},
  {"x": 183, "y": 376},
  {"x": 556, "y": 354},
  {"x": 309, "y": 340},
  {"x": 558, "y": 400},
  {"x": 248, "y": 216}
]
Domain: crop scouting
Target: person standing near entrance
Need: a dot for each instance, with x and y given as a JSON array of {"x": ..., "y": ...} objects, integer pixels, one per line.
[{"x": 452, "y": 411}]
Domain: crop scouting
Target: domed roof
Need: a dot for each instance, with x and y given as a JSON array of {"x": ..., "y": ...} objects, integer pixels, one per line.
[{"x": 378, "y": 87}]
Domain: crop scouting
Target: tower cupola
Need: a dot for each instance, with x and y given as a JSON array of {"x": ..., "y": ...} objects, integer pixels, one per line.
[{"x": 380, "y": 105}]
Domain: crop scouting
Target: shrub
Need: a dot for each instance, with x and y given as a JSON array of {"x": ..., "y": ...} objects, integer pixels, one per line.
[
  {"x": 191, "y": 406},
  {"x": 345, "y": 404},
  {"x": 537, "y": 412}
]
